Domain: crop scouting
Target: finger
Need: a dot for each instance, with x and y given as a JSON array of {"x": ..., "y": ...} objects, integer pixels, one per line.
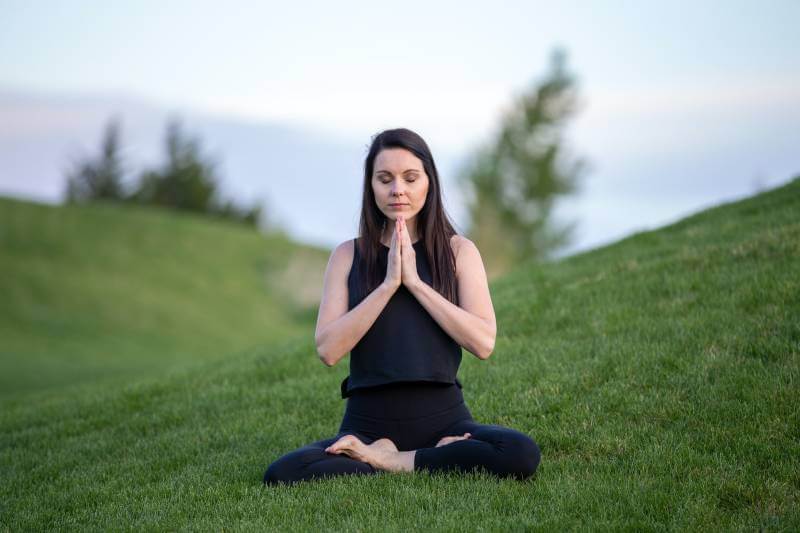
[
  {"x": 404, "y": 233},
  {"x": 395, "y": 249},
  {"x": 393, "y": 240},
  {"x": 400, "y": 240}
]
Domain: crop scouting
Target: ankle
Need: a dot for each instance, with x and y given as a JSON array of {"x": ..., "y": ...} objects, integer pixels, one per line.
[{"x": 404, "y": 461}]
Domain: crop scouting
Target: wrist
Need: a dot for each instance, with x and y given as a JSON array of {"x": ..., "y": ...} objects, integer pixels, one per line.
[
  {"x": 415, "y": 285},
  {"x": 389, "y": 287}
]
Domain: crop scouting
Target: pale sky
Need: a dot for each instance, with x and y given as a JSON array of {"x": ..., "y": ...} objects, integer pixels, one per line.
[{"x": 702, "y": 90}]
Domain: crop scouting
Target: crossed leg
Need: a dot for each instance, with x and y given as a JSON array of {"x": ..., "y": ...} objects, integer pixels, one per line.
[
  {"x": 502, "y": 451},
  {"x": 312, "y": 461},
  {"x": 464, "y": 446}
]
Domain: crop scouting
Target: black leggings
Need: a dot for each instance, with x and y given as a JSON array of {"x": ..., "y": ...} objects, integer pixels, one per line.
[{"x": 414, "y": 416}]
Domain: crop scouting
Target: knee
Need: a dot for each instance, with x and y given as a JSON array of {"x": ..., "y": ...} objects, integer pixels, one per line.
[
  {"x": 524, "y": 456},
  {"x": 278, "y": 472},
  {"x": 271, "y": 476}
]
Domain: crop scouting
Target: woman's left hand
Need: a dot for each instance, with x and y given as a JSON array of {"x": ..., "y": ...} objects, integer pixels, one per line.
[{"x": 408, "y": 256}]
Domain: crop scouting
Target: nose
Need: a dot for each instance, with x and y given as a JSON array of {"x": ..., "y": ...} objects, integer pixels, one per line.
[{"x": 397, "y": 188}]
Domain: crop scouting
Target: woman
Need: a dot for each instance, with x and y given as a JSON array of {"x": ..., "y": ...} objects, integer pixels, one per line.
[{"x": 403, "y": 299}]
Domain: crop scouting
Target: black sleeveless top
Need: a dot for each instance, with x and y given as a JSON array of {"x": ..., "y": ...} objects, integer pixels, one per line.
[{"x": 404, "y": 343}]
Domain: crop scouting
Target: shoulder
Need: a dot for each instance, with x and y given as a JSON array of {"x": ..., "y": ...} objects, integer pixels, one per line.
[
  {"x": 342, "y": 254},
  {"x": 345, "y": 246},
  {"x": 459, "y": 243},
  {"x": 468, "y": 258}
]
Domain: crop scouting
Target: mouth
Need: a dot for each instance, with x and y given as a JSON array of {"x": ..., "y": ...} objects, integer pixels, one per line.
[{"x": 397, "y": 205}]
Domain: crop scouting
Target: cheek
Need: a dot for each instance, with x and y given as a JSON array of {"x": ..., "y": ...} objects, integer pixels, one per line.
[{"x": 422, "y": 193}]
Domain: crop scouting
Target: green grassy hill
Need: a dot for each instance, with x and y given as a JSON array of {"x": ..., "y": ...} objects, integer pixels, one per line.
[
  {"x": 659, "y": 375},
  {"x": 101, "y": 291}
]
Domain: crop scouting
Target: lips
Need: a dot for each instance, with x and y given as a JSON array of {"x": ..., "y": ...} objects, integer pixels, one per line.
[{"x": 397, "y": 205}]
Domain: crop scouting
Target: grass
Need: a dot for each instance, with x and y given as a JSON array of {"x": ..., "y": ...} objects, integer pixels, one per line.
[
  {"x": 659, "y": 376},
  {"x": 100, "y": 291}
]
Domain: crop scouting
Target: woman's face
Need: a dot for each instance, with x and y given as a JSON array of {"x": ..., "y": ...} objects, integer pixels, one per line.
[{"x": 399, "y": 178}]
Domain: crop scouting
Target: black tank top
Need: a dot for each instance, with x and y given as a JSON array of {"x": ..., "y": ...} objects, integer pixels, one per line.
[{"x": 404, "y": 343}]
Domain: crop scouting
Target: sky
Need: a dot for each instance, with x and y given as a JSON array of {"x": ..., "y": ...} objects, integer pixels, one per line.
[{"x": 684, "y": 104}]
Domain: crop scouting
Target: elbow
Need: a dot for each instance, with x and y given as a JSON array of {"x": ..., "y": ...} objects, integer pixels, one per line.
[
  {"x": 328, "y": 354},
  {"x": 322, "y": 353},
  {"x": 326, "y": 357},
  {"x": 486, "y": 350},
  {"x": 326, "y": 360}
]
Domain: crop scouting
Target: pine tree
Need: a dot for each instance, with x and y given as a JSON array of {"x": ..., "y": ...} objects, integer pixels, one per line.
[
  {"x": 101, "y": 178},
  {"x": 187, "y": 179},
  {"x": 513, "y": 183}
]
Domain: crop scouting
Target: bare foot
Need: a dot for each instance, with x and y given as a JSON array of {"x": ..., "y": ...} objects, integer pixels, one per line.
[
  {"x": 383, "y": 446},
  {"x": 352, "y": 447},
  {"x": 447, "y": 440},
  {"x": 382, "y": 454}
]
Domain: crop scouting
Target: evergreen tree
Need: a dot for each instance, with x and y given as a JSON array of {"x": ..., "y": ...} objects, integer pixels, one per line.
[
  {"x": 186, "y": 181},
  {"x": 101, "y": 178},
  {"x": 512, "y": 184}
]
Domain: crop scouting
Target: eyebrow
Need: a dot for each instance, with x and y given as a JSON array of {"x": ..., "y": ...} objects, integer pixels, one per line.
[{"x": 404, "y": 172}]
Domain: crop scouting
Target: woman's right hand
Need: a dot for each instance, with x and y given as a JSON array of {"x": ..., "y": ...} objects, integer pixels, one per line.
[{"x": 394, "y": 276}]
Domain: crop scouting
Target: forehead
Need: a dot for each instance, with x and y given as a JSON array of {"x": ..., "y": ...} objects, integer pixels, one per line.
[{"x": 397, "y": 160}]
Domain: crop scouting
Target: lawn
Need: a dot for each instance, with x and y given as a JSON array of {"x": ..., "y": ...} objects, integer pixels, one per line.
[
  {"x": 659, "y": 375},
  {"x": 103, "y": 292}
]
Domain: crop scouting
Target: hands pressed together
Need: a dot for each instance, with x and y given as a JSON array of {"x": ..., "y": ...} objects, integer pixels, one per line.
[{"x": 402, "y": 262}]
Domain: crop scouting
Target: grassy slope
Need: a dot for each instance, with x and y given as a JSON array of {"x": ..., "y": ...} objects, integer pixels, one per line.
[
  {"x": 99, "y": 291},
  {"x": 659, "y": 375}
]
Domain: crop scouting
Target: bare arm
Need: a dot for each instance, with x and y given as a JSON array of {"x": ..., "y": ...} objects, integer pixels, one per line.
[
  {"x": 472, "y": 323},
  {"x": 339, "y": 330}
]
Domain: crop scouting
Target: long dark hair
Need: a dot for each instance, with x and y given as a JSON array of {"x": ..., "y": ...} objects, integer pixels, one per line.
[{"x": 433, "y": 224}]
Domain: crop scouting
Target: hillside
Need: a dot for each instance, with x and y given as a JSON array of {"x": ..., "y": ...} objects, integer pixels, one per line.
[
  {"x": 658, "y": 374},
  {"x": 104, "y": 291}
]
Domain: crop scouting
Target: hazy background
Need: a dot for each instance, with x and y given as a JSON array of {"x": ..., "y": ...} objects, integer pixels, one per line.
[{"x": 684, "y": 105}]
